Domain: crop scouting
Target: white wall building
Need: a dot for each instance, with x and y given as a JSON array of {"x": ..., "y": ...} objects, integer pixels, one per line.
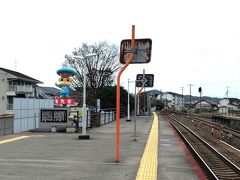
[
  {"x": 227, "y": 104},
  {"x": 172, "y": 100},
  {"x": 13, "y": 85}
]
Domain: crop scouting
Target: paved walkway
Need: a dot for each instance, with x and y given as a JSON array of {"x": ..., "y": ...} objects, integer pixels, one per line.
[
  {"x": 173, "y": 162},
  {"x": 63, "y": 156},
  {"x": 157, "y": 154}
]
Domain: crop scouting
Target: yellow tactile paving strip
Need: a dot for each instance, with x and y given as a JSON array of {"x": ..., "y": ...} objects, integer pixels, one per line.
[
  {"x": 12, "y": 139},
  {"x": 149, "y": 163}
]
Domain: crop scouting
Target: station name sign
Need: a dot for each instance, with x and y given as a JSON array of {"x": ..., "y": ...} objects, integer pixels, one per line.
[{"x": 64, "y": 101}]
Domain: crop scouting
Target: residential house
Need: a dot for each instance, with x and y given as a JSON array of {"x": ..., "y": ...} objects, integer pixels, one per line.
[
  {"x": 229, "y": 104},
  {"x": 14, "y": 84},
  {"x": 172, "y": 100},
  {"x": 206, "y": 105}
]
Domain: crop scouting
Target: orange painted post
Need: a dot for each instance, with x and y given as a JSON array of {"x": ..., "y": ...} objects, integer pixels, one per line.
[{"x": 117, "y": 147}]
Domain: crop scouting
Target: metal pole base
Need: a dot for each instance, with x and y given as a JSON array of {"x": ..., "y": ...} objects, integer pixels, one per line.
[
  {"x": 129, "y": 120},
  {"x": 84, "y": 136}
]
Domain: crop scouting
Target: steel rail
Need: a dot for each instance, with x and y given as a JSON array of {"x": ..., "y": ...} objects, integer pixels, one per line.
[{"x": 210, "y": 172}]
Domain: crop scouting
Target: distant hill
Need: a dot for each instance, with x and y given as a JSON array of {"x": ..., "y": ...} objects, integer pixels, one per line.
[
  {"x": 197, "y": 98},
  {"x": 186, "y": 97}
]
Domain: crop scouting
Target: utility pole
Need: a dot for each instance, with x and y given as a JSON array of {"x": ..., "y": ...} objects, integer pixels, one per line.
[
  {"x": 182, "y": 103},
  {"x": 190, "y": 98},
  {"x": 161, "y": 94},
  {"x": 182, "y": 98},
  {"x": 15, "y": 64},
  {"x": 166, "y": 100},
  {"x": 200, "y": 94}
]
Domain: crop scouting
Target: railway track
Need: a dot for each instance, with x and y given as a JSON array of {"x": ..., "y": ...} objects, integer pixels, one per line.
[
  {"x": 214, "y": 164},
  {"x": 221, "y": 132}
]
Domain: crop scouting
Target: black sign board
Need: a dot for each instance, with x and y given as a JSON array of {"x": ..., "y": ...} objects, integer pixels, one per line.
[
  {"x": 142, "y": 51},
  {"x": 54, "y": 116},
  {"x": 147, "y": 80}
]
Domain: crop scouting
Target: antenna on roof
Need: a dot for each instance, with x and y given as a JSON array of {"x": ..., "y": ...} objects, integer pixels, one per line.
[
  {"x": 227, "y": 92},
  {"x": 15, "y": 65}
]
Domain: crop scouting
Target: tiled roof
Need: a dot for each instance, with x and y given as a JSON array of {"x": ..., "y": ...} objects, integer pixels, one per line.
[
  {"x": 50, "y": 90},
  {"x": 214, "y": 103},
  {"x": 234, "y": 101},
  {"x": 20, "y": 75}
]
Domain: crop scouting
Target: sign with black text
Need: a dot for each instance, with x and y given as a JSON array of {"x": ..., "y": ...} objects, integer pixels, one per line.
[
  {"x": 146, "y": 79},
  {"x": 54, "y": 116}
]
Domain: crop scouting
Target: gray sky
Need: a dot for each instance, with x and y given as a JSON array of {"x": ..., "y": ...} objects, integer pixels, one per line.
[{"x": 195, "y": 42}]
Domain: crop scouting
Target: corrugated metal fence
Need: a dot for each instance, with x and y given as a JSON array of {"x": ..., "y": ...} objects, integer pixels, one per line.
[{"x": 26, "y": 112}]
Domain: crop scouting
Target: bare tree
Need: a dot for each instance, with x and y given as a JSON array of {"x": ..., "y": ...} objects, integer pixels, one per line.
[{"x": 101, "y": 68}]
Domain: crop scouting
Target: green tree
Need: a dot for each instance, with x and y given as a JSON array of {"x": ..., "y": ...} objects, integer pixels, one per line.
[
  {"x": 159, "y": 104},
  {"x": 107, "y": 95}
]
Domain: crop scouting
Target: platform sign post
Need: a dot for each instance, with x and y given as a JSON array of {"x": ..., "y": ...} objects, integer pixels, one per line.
[
  {"x": 117, "y": 147},
  {"x": 128, "y": 51},
  {"x": 143, "y": 81}
]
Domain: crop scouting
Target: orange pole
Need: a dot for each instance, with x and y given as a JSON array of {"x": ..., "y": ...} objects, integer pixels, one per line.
[
  {"x": 140, "y": 90},
  {"x": 117, "y": 155}
]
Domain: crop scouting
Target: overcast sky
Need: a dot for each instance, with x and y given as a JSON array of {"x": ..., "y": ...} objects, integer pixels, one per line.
[{"x": 194, "y": 42}]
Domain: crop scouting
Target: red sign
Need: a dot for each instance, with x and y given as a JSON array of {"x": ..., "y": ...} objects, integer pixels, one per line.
[{"x": 64, "y": 101}]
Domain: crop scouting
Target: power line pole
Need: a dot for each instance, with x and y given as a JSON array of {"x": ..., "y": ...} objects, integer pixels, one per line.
[
  {"x": 182, "y": 97},
  {"x": 15, "y": 64},
  {"x": 166, "y": 100},
  {"x": 190, "y": 98},
  {"x": 200, "y": 94},
  {"x": 161, "y": 94},
  {"x": 182, "y": 102}
]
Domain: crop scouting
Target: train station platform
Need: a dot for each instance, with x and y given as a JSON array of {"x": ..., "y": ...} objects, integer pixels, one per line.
[
  {"x": 63, "y": 156},
  {"x": 174, "y": 159},
  {"x": 157, "y": 150}
]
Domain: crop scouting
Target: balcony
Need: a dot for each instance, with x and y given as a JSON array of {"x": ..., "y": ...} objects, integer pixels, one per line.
[
  {"x": 19, "y": 89},
  {"x": 9, "y": 106}
]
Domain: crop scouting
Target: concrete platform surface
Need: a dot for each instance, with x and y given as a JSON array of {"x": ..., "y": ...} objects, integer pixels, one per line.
[
  {"x": 63, "y": 156},
  {"x": 172, "y": 161},
  {"x": 50, "y": 156}
]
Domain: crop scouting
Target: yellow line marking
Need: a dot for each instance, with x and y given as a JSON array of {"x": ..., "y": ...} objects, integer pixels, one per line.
[
  {"x": 149, "y": 162},
  {"x": 12, "y": 139}
]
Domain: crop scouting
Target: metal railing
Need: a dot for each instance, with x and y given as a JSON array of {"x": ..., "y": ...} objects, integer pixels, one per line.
[
  {"x": 25, "y": 123},
  {"x": 20, "y": 88},
  {"x": 104, "y": 116},
  {"x": 10, "y": 106}
]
